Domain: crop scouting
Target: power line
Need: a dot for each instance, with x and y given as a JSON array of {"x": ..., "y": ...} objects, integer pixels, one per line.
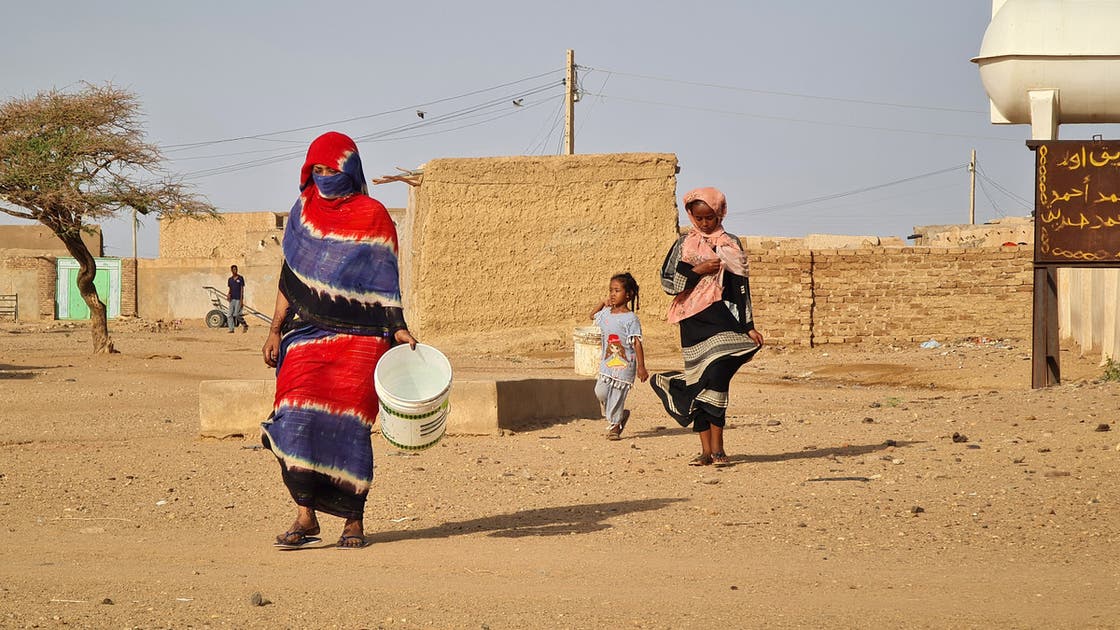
[
  {"x": 878, "y": 200},
  {"x": 790, "y": 94},
  {"x": 444, "y": 118},
  {"x": 1023, "y": 202},
  {"x": 385, "y": 134},
  {"x": 984, "y": 189},
  {"x": 264, "y": 136},
  {"x": 540, "y": 140},
  {"x": 590, "y": 108},
  {"x": 806, "y": 120},
  {"x": 805, "y": 202},
  {"x": 480, "y": 122},
  {"x": 221, "y": 155}
]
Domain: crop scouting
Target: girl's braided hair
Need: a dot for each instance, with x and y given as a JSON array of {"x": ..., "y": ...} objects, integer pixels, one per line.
[{"x": 630, "y": 285}]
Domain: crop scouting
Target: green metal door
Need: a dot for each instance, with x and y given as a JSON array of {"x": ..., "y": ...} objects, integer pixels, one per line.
[
  {"x": 78, "y": 307},
  {"x": 70, "y": 304}
]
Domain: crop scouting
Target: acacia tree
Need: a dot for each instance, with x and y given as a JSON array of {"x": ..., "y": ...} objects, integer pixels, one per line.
[{"x": 72, "y": 159}]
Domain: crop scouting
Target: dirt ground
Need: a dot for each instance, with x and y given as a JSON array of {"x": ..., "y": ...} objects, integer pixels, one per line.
[{"x": 849, "y": 503}]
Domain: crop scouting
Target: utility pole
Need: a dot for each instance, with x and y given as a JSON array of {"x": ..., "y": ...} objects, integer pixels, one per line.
[
  {"x": 570, "y": 105},
  {"x": 972, "y": 189},
  {"x": 135, "y": 271}
]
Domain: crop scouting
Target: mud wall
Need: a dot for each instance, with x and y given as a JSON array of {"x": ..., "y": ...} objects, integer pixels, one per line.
[
  {"x": 173, "y": 289},
  {"x": 524, "y": 242},
  {"x": 32, "y": 280},
  {"x": 230, "y": 235},
  {"x": 38, "y": 239}
]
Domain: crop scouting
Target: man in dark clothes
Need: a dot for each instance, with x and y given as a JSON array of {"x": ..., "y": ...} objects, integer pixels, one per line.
[{"x": 236, "y": 285}]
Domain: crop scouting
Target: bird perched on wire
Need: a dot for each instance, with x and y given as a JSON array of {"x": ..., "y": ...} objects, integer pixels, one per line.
[
  {"x": 517, "y": 102},
  {"x": 420, "y": 113}
]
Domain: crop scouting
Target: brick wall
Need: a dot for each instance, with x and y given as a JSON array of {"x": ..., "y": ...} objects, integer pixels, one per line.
[
  {"x": 891, "y": 295},
  {"x": 46, "y": 271},
  {"x": 128, "y": 287}
]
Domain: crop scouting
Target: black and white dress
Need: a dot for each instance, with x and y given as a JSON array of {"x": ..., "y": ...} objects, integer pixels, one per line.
[{"x": 714, "y": 343}]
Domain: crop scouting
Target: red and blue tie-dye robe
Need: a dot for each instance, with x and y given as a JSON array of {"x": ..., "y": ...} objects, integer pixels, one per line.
[{"x": 341, "y": 279}]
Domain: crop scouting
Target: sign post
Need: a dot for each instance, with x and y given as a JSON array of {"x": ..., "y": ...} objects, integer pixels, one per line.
[{"x": 1076, "y": 224}]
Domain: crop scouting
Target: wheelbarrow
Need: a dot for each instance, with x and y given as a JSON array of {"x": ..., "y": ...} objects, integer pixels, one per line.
[{"x": 218, "y": 317}]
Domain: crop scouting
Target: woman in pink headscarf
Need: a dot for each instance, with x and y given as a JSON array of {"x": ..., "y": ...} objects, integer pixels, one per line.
[{"x": 706, "y": 271}]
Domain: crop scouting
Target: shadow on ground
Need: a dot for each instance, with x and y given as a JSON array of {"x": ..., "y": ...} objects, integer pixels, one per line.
[
  {"x": 19, "y": 371},
  {"x": 551, "y": 521},
  {"x": 836, "y": 451}
]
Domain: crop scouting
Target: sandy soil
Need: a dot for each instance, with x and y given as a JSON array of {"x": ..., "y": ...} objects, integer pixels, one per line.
[{"x": 849, "y": 504}]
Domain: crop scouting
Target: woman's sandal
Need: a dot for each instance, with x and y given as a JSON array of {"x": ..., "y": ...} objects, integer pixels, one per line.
[
  {"x": 343, "y": 544},
  {"x": 720, "y": 460},
  {"x": 302, "y": 537},
  {"x": 700, "y": 460}
]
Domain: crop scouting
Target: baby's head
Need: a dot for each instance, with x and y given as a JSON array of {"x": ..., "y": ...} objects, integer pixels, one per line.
[{"x": 623, "y": 290}]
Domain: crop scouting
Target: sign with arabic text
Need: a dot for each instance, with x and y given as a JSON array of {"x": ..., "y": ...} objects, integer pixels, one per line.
[{"x": 1077, "y": 201}]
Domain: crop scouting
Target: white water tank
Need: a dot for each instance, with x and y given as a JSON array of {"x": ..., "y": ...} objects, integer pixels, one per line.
[{"x": 1068, "y": 48}]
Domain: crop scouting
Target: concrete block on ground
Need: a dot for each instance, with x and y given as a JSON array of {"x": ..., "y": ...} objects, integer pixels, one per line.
[
  {"x": 235, "y": 407},
  {"x": 486, "y": 406},
  {"x": 474, "y": 408},
  {"x": 478, "y": 406}
]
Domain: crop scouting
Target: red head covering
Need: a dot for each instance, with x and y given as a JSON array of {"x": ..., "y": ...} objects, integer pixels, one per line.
[{"x": 337, "y": 151}]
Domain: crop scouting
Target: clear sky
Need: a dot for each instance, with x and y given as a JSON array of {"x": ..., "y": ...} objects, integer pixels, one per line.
[{"x": 776, "y": 103}]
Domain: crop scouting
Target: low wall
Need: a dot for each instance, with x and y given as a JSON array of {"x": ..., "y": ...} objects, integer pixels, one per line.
[
  {"x": 891, "y": 295},
  {"x": 173, "y": 289},
  {"x": 1088, "y": 310},
  {"x": 32, "y": 279}
]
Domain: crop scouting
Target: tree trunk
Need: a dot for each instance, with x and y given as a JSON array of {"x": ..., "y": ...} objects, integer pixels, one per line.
[{"x": 87, "y": 269}]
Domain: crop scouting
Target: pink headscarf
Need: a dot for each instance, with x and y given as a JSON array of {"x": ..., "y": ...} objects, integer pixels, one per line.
[{"x": 699, "y": 247}]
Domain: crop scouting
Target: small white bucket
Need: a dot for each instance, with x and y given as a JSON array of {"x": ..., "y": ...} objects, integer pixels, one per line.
[
  {"x": 413, "y": 387},
  {"x": 588, "y": 350}
]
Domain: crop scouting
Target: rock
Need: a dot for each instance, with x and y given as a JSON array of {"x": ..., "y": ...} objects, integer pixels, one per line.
[
  {"x": 1043, "y": 450},
  {"x": 890, "y": 443},
  {"x": 711, "y": 481},
  {"x": 1103, "y": 427},
  {"x": 959, "y": 438},
  {"x": 875, "y": 405},
  {"x": 773, "y": 423},
  {"x": 869, "y": 420},
  {"x": 107, "y": 601},
  {"x": 734, "y": 588},
  {"x": 1056, "y": 473},
  {"x": 917, "y": 509},
  {"x": 256, "y": 599}
]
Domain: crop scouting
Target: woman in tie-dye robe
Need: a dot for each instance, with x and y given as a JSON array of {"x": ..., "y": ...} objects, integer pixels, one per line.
[{"x": 338, "y": 309}]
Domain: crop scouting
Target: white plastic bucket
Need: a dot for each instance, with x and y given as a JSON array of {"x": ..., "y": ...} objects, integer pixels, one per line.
[
  {"x": 588, "y": 349},
  {"x": 413, "y": 387}
]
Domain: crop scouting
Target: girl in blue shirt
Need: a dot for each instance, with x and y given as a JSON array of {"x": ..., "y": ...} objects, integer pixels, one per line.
[{"x": 623, "y": 357}]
